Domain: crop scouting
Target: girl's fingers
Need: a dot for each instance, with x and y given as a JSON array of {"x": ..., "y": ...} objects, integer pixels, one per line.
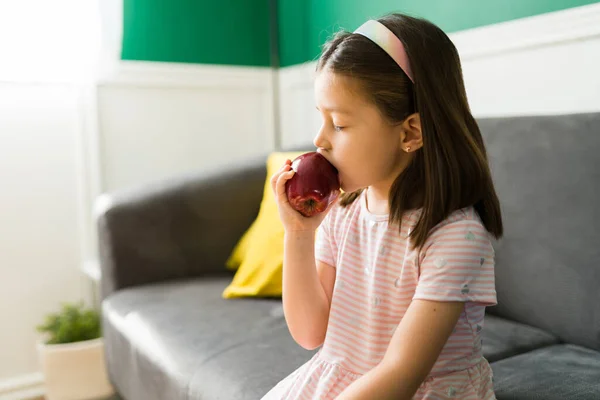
[
  {"x": 280, "y": 185},
  {"x": 276, "y": 175}
]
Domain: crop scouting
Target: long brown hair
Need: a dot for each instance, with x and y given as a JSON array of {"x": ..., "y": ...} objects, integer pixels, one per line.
[{"x": 451, "y": 170}]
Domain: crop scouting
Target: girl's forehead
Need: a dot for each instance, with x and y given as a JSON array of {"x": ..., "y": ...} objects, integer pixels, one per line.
[{"x": 336, "y": 91}]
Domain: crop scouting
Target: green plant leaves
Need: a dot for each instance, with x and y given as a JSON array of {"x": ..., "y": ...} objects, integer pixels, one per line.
[{"x": 74, "y": 323}]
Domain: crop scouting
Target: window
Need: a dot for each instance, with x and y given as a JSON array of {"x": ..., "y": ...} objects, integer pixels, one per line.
[{"x": 58, "y": 40}]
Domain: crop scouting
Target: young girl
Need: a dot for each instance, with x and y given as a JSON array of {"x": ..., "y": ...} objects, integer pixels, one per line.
[{"x": 395, "y": 282}]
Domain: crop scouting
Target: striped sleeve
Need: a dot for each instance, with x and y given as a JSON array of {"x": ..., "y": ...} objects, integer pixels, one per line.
[
  {"x": 324, "y": 241},
  {"x": 458, "y": 265}
]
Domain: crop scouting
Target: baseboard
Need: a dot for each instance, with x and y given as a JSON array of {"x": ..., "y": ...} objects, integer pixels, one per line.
[{"x": 22, "y": 387}]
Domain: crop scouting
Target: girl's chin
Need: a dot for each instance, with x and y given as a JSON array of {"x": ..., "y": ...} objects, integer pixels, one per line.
[
  {"x": 346, "y": 185},
  {"x": 343, "y": 186},
  {"x": 348, "y": 188}
]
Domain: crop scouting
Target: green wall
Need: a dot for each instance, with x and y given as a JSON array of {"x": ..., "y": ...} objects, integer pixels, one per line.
[
  {"x": 305, "y": 24},
  {"x": 234, "y": 32}
]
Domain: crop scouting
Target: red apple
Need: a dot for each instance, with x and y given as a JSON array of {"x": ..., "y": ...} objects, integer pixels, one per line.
[{"x": 314, "y": 185}]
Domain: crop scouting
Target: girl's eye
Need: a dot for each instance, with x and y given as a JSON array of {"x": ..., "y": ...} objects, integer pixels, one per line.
[{"x": 337, "y": 128}]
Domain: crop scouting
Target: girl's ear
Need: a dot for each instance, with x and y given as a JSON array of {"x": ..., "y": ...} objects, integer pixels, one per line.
[{"x": 412, "y": 138}]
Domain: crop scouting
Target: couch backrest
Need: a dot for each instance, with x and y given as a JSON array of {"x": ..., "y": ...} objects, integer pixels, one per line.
[{"x": 547, "y": 175}]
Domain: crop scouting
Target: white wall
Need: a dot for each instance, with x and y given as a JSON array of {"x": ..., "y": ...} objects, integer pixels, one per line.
[
  {"x": 39, "y": 217},
  {"x": 160, "y": 119},
  {"x": 61, "y": 145},
  {"x": 546, "y": 64}
]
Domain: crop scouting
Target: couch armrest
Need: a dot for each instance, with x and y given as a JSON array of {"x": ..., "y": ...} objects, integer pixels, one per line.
[{"x": 176, "y": 229}]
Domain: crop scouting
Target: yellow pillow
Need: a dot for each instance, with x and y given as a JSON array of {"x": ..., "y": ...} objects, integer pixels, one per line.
[
  {"x": 258, "y": 256},
  {"x": 241, "y": 248}
]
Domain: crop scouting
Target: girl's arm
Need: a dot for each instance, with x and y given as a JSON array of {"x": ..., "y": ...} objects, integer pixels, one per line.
[
  {"x": 307, "y": 285},
  {"x": 305, "y": 298},
  {"x": 412, "y": 352}
]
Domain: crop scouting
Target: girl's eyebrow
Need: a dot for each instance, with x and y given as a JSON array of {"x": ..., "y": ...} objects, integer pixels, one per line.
[{"x": 335, "y": 110}]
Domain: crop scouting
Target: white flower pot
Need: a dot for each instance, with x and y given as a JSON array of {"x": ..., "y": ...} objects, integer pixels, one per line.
[{"x": 74, "y": 371}]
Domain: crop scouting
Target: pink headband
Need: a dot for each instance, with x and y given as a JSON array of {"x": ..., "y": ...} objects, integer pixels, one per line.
[{"x": 388, "y": 41}]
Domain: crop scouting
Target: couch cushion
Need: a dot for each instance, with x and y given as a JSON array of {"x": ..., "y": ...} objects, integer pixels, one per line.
[
  {"x": 503, "y": 338},
  {"x": 547, "y": 174},
  {"x": 181, "y": 340},
  {"x": 258, "y": 256},
  {"x": 553, "y": 373}
]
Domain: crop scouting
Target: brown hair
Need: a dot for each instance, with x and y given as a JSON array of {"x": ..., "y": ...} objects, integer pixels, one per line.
[{"x": 451, "y": 170}]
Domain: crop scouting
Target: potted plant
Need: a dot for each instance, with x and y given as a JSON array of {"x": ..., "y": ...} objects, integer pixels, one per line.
[{"x": 72, "y": 357}]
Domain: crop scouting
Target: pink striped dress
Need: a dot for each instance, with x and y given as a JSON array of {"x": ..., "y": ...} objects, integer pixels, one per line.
[{"x": 377, "y": 276}]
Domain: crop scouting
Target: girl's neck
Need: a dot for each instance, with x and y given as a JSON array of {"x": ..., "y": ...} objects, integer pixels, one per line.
[{"x": 377, "y": 200}]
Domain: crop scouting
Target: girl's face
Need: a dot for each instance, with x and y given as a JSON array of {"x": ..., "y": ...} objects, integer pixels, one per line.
[{"x": 355, "y": 137}]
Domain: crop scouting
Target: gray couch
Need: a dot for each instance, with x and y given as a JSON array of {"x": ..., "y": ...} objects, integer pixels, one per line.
[{"x": 169, "y": 334}]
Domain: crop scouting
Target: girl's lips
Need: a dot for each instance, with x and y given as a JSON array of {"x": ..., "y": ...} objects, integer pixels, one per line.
[{"x": 327, "y": 157}]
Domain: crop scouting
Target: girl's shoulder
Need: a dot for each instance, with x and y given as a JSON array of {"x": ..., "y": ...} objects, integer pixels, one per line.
[
  {"x": 467, "y": 214},
  {"x": 462, "y": 225}
]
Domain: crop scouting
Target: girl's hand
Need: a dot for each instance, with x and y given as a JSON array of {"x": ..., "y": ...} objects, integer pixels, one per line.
[{"x": 292, "y": 220}]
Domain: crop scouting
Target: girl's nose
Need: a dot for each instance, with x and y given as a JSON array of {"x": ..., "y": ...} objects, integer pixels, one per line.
[{"x": 320, "y": 140}]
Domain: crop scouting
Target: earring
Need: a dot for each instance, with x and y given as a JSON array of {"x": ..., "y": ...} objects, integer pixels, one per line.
[{"x": 408, "y": 149}]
